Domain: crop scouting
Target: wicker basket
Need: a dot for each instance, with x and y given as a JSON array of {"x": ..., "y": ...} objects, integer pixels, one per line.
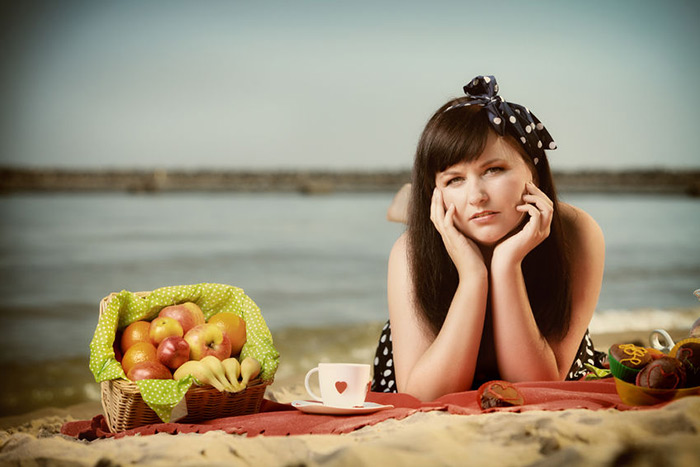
[{"x": 124, "y": 408}]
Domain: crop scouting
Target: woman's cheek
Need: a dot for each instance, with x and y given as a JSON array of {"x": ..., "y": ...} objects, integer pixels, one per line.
[
  {"x": 449, "y": 198},
  {"x": 513, "y": 189}
]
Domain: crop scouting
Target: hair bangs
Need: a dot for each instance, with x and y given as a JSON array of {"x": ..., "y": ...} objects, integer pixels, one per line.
[{"x": 459, "y": 134}]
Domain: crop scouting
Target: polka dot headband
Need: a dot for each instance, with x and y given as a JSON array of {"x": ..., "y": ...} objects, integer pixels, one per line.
[{"x": 502, "y": 115}]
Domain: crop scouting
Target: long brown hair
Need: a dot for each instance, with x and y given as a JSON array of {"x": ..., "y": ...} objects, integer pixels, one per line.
[{"x": 454, "y": 136}]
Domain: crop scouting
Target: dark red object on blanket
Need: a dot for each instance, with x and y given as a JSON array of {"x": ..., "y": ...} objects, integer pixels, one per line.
[
  {"x": 282, "y": 419},
  {"x": 499, "y": 394}
]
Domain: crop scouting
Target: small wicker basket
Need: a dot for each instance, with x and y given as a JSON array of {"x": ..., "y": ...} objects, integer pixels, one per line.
[{"x": 124, "y": 408}]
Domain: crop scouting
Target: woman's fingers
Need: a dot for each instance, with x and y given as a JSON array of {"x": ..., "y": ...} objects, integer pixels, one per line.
[
  {"x": 447, "y": 220},
  {"x": 464, "y": 253},
  {"x": 543, "y": 204},
  {"x": 448, "y": 226},
  {"x": 532, "y": 210},
  {"x": 538, "y": 197},
  {"x": 538, "y": 204},
  {"x": 437, "y": 210},
  {"x": 449, "y": 216},
  {"x": 537, "y": 228},
  {"x": 438, "y": 214},
  {"x": 539, "y": 221},
  {"x": 442, "y": 219}
]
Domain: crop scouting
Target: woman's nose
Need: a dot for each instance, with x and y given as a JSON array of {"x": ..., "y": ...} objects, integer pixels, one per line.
[{"x": 476, "y": 194}]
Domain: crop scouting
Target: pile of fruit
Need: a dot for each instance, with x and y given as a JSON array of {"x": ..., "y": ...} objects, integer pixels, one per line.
[{"x": 179, "y": 343}]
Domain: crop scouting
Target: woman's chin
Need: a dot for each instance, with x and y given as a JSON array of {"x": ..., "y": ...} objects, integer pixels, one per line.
[
  {"x": 487, "y": 240},
  {"x": 490, "y": 236}
]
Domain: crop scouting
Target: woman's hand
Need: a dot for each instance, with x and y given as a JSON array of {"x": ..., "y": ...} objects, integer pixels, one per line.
[
  {"x": 517, "y": 246},
  {"x": 465, "y": 254}
]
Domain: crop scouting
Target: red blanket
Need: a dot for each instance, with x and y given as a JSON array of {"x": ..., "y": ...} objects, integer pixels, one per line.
[{"x": 282, "y": 419}]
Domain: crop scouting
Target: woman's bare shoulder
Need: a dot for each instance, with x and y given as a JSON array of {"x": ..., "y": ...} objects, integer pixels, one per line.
[
  {"x": 400, "y": 249},
  {"x": 580, "y": 229},
  {"x": 399, "y": 289},
  {"x": 576, "y": 221},
  {"x": 398, "y": 209}
]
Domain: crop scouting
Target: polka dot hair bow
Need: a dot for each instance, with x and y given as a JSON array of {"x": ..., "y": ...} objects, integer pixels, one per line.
[{"x": 507, "y": 116}]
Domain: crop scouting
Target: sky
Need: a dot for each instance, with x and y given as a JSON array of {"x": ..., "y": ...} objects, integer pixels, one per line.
[{"x": 338, "y": 85}]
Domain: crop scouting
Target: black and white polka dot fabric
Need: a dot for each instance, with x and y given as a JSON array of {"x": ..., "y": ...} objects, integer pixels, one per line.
[
  {"x": 508, "y": 116},
  {"x": 384, "y": 379},
  {"x": 586, "y": 354}
]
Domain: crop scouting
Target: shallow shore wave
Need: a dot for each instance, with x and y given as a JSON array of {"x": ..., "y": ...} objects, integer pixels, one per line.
[{"x": 610, "y": 321}]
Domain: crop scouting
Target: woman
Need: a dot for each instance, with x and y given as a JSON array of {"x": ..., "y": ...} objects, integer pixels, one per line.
[{"x": 494, "y": 277}]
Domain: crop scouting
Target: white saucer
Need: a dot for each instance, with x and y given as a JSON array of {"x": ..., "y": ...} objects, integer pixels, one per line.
[{"x": 318, "y": 408}]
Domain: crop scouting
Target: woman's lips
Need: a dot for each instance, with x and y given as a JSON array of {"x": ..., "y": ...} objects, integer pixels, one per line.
[{"x": 483, "y": 216}]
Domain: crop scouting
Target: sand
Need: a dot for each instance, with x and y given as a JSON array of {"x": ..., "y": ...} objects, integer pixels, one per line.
[{"x": 665, "y": 436}]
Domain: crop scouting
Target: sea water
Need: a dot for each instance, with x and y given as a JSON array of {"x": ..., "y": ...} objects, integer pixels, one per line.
[{"x": 309, "y": 262}]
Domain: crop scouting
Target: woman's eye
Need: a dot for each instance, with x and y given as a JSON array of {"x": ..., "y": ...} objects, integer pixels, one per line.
[
  {"x": 494, "y": 170},
  {"x": 454, "y": 180}
]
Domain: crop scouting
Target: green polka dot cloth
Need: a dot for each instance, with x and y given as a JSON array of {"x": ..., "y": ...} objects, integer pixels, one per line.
[{"x": 126, "y": 307}]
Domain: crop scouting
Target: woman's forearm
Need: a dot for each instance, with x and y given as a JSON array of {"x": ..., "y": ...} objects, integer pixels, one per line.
[
  {"x": 523, "y": 354},
  {"x": 449, "y": 362}
]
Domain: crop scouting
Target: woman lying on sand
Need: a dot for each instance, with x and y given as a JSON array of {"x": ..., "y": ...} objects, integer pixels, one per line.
[{"x": 494, "y": 278}]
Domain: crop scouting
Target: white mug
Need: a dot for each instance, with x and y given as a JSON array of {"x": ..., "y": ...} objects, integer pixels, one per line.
[
  {"x": 342, "y": 384},
  {"x": 661, "y": 340}
]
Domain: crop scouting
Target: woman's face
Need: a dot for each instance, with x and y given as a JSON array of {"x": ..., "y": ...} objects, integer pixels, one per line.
[{"x": 486, "y": 191}]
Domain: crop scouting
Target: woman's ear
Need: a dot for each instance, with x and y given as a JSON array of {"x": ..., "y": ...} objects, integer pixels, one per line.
[{"x": 533, "y": 176}]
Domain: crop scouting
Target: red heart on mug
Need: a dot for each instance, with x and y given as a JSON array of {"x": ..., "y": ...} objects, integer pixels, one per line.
[{"x": 341, "y": 386}]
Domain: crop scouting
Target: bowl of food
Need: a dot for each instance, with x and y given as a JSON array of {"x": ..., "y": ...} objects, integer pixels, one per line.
[{"x": 656, "y": 377}]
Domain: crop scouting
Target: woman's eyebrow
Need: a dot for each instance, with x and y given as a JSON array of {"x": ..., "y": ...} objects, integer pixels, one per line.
[
  {"x": 449, "y": 173},
  {"x": 452, "y": 171},
  {"x": 494, "y": 160}
]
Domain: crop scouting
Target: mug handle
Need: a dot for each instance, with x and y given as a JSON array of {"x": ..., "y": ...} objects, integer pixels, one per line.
[
  {"x": 661, "y": 340},
  {"x": 306, "y": 384}
]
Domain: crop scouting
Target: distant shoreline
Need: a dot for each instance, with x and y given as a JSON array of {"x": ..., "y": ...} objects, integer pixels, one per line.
[{"x": 14, "y": 180}]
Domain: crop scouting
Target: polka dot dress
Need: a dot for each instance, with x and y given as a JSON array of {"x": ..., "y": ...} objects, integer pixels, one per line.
[
  {"x": 385, "y": 380},
  {"x": 586, "y": 355}
]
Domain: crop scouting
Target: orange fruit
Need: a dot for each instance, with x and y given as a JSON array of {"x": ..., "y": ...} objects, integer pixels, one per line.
[
  {"x": 137, "y": 353},
  {"x": 135, "y": 332},
  {"x": 234, "y": 327}
]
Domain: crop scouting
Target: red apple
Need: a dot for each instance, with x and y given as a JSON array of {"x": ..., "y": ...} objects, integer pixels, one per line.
[
  {"x": 149, "y": 370},
  {"x": 162, "y": 327},
  {"x": 187, "y": 314},
  {"x": 208, "y": 339},
  {"x": 173, "y": 352}
]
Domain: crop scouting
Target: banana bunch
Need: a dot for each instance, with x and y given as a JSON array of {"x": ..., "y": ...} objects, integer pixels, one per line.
[{"x": 227, "y": 375}]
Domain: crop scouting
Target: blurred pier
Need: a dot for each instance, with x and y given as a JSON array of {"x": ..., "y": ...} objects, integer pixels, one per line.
[{"x": 13, "y": 180}]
